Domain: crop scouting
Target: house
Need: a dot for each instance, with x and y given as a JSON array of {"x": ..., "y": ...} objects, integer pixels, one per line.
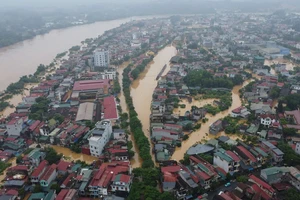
[
  {"x": 48, "y": 176},
  {"x": 99, "y": 137},
  {"x": 38, "y": 172},
  {"x": 199, "y": 149},
  {"x": 170, "y": 177},
  {"x": 67, "y": 194},
  {"x": 216, "y": 127},
  {"x": 14, "y": 126},
  {"x": 240, "y": 112},
  {"x": 110, "y": 111},
  {"x": 267, "y": 119},
  {"x": 249, "y": 161},
  {"x": 294, "y": 116},
  {"x": 227, "y": 160},
  {"x": 63, "y": 167},
  {"x": 51, "y": 195},
  {"x": 294, "y": 177},
  {"x": 121, "y": 182},
  {"x": 35, "y": 157},
  {"x": 119, "y": 134},
  {"x": 103, "y": 178},
  {"x": 159, "y": 132},
  {"x": 262, "y": 185},
  {"x": 85, "y": 112},
  {"x": 276, "y": 153},
  {"x": 198, "y": 113},
  {"x": 273, "y": 174}
]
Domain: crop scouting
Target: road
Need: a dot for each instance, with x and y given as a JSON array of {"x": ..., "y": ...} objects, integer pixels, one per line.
[{"x": 221, "y": 188}]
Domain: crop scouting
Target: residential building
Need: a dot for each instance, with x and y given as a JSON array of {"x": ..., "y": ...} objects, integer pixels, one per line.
[
  {"x": 262, "y": 185},
  {"x": 240, "y": 112},
  {"x": 216, "y": 127},
  {"x": 48, "y": 176},
  {"x": 121, "y": 182},
  {"x": 101, "y": 58},
  {"x": 14, "y": 126},
  {"x": 274, "y": 174},
  {"x": 227, "y": 160},
  {"x": 38, "y": 172},
  {"x": 99, "y": 137},
  {"x": 276, "y": 153}
]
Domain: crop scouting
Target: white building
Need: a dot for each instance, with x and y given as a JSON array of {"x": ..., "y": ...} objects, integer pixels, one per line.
[
  {"x": 227, "y": 160},
  {"x": 108, "y": 75},
  {"x": 14, "y": 126},
  {"x": 100, "y": 136},
  {"x": 101, "y": 58}
]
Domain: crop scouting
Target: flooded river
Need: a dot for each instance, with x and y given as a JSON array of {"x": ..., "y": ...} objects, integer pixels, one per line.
[
  {"x": 24, "y": 57},
  {"x": 143, "y": 88}
]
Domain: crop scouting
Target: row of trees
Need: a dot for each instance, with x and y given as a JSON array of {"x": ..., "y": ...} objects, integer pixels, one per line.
[
  {"x": 205, "y": 79},
  {"x": 135, "y": 124},
  {"x": 140, "y": 68}
]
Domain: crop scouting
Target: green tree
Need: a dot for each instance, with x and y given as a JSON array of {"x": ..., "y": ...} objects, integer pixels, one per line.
[
  {"x": 242, "y": 179},
  {"x": 52, "y": 156}
]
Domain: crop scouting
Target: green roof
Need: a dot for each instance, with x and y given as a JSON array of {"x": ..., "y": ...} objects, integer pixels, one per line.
[
  {"x": 82, "y": 186},
  {"x": 263, "y": 133},
  {"x": 212, "y": 142},
  {"x": 44, "y": 138},
  {"x": 75, "y": 167},
  {"x": 35, "y": 196},
  {"x": 252, "y": 129},
  {"x": 35, "y": 153},
  {"x": 224, "y": 156},
  {"x": 261, "y": 152},
  {"x": 50, "y": 195},
  {"x": 275, "y": 170}
]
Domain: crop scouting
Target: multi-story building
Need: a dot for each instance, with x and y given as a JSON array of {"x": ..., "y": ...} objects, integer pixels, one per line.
[
  {"x": 14, "y": 126},
  {"x": 101, "y": 58},
  {"x": 227, "y": 160},
  {"x": 99, "y": 137}
]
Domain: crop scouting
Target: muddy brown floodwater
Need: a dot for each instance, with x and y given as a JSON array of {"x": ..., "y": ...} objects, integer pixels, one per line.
[
  {"x": 203, "y": 132},
  {"x": 142, "y": 88}
]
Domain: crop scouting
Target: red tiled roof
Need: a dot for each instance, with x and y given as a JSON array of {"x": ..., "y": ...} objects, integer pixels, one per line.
[
  {"x": 13, "y": 121},
  {"x": 48, "y": 172},
  {"x": 203, "y": 175},
  {"x": 18, "y": 168},
  {"x": 66, "y": 181},
  {"x": 63, "y": 165},
  {"x": 12, "y": 192},
  {"x": 233, "y": 156},
  {"x": 238, "y": 110},
  {"x": 61, "y": 195},
  {"x": 124, "y": 178},
  {"x": 173, "y": 125},
  {"x": 39, "y": 169},
  {"x": 259, "y": 191},
  {"x": 34, "y": 125},
  {"x": 166, "y": 131},
  {"x": 168, "y": 177},
  {"x": 171, "y": 169},
  {"x": 90, "y": 85},
  {"x": 262, "y": 183},
  {"x": 247, "y": 153},
  {"x": 110, "y": 108}
]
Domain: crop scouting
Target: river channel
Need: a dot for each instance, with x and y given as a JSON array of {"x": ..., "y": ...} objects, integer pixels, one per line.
[
  {"x": 23, "y": 58},
  {"x": 142, "y": 88}
]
